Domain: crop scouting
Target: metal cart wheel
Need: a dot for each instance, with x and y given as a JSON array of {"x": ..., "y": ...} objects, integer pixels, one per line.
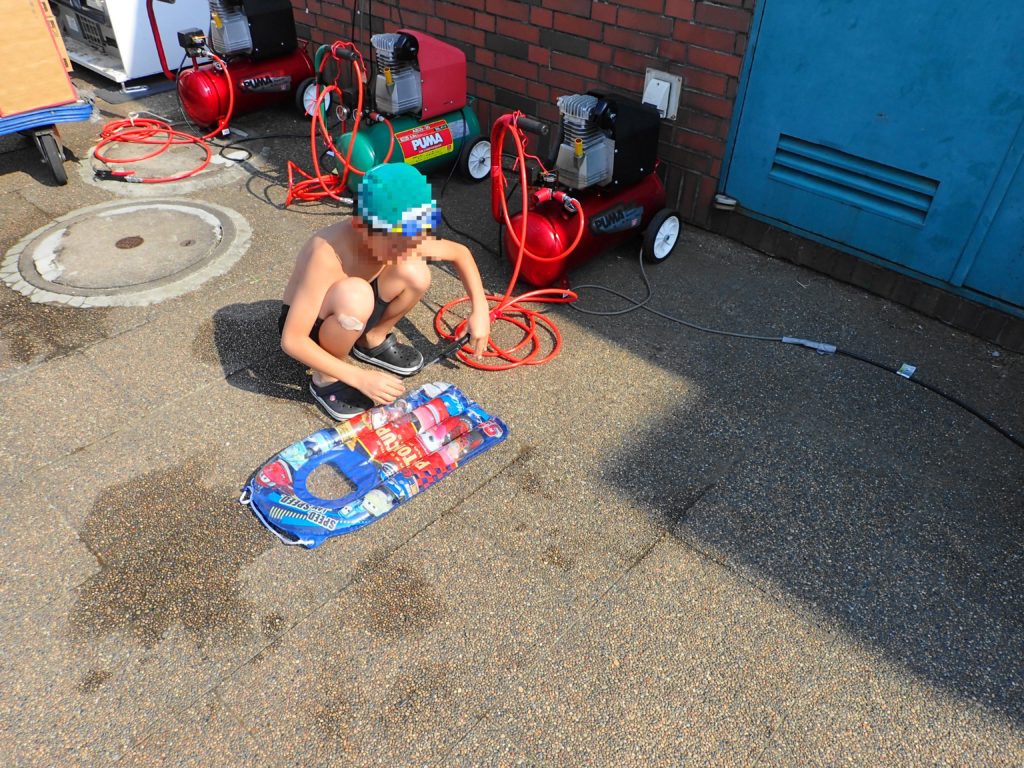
[{"x": 53, "y": 155}]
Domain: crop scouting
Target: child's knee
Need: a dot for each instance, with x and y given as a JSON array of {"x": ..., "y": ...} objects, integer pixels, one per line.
[{"x": 350, "y": 301}]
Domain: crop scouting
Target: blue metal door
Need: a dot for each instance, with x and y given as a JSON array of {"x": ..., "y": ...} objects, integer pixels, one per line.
[
  {"x": 997, "y": 267},
  {"x": 891, "y": 130}
]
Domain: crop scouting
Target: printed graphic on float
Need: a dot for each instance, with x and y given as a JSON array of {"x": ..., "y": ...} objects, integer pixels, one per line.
[{"x": 389, "y": 453}]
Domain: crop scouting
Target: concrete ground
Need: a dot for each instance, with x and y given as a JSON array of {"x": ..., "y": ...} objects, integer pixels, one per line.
[{"x": 692, "y": 550}]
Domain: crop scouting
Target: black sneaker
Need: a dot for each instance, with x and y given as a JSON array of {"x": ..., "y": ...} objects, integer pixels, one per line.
[
  {"x": 391, "y": 356},
  {"x": 340, "y": 400}
]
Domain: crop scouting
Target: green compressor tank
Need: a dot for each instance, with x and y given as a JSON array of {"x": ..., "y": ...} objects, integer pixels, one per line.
[{"x": 429, "y": 145}]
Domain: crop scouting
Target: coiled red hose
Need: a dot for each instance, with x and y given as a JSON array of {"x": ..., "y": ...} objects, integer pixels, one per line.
[
  {"x": 507, "y": 308},
  {"x": 321, "y": 185},
  {"x": 150, "y": 132},
  {"x": 158, "y": 133}
]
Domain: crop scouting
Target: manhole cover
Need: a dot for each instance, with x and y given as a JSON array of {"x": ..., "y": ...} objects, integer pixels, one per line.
[{"x": 121, "y": 254}]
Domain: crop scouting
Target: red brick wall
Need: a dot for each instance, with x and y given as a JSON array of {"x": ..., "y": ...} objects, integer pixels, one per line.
[{"x": 523, "y": 55}]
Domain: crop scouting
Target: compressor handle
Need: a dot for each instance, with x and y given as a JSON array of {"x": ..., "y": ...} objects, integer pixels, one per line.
[
  {"x": 156, "y": 39},
  {"x": 532, "y": 125}
]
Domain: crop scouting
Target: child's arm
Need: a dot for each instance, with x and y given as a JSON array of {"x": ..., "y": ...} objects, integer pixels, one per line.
[
  {"x": 479, "y": 325},
  {"x": 304, "y": 310}
]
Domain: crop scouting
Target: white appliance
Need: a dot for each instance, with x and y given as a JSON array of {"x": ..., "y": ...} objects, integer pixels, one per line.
[{"x": 115, "y": 38}]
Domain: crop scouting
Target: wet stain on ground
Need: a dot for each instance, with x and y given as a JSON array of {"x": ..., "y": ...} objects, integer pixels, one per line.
[
  {"x": 93, "y": 680},
  {"x": 32, "y": 333},
  {"x": 171, "y": 548},
  {"x": 418, "y": 691},
  {"x": 267, "y": 652},
  {"x": 395, "y": 599},
  {"x": 273, "y": 623},
  {"x": 203, "y": 348},
  {"x": 524, "y": 466},
  {"x": 554, "y": 555},
  {"x": 331, "y": 712},
  {"x": 529, "y": 480},
  {"x": 348, "y": 719}
]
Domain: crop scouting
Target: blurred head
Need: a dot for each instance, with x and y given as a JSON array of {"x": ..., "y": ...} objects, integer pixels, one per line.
[{"x": 396, "y": 211}]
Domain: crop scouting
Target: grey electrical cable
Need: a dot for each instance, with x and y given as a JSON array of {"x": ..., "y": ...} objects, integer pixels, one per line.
[
  {"x": 818, "y": 346},
  {"x": 642, "y": 304}
]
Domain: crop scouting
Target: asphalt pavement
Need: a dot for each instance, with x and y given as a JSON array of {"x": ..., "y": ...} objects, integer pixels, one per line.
[{"x": 693, "y": 549}]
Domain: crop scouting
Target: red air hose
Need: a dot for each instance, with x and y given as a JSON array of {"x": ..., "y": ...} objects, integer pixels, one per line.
[
  {"x": 508, "y": 308},
  {"x": 146, "y": 131},
  {"x": 160, "y": 134},
  {"x": 321, "y": 185},
  {"x": 157, "y": 40}
]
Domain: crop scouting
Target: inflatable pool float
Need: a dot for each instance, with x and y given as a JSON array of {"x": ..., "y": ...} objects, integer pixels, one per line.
[{"x": 389, "y": 453}]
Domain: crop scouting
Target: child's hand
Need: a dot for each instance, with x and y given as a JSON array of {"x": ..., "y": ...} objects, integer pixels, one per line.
[
  {"x": 479, "y": 327},
  {"x": 380, "y": 387}
]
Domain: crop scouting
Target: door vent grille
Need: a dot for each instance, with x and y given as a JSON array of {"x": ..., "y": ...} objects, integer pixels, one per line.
[{"x": 863, "y": 183}]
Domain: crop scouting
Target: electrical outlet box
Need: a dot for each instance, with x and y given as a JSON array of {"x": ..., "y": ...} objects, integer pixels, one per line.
[{"x": 661, "y": 90}]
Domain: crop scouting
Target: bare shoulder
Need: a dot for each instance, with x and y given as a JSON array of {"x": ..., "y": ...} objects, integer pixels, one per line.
[
  {"x": 319, "y": 262},
  {"x": 329, "y": 241},
  {"x": 436, "y": 249}
]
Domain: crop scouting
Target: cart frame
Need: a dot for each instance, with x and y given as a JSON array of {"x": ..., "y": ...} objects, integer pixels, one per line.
[{"x": 41, "y": 126}]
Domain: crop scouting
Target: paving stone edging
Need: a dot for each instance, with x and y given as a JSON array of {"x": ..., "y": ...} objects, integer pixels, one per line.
[{"x": 236, "y": 236}]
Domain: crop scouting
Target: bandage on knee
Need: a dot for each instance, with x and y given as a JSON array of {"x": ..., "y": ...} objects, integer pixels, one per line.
[{"x": 350, "y": 323}]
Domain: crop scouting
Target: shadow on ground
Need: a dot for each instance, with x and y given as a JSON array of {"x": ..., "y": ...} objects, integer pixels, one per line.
[
  {"x": 240, "y": 333},
  {"x": 848, "y": 493},
  {"x": 930, "y": 574},
  {"x": 19, "y": 153},
  {"x": 33, "y": 333}
]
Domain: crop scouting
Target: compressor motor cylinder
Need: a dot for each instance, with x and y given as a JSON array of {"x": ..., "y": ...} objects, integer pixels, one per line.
[
  {"x": 260, "y": 62},
  {"x": 205, "y": 90}
]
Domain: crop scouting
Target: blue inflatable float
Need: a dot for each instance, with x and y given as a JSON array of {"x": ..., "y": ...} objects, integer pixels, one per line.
[{"x": 389, "y": 453}]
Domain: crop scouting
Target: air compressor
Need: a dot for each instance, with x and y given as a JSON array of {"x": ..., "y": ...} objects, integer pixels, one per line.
[
  {"x": 602, "y": 188},
  {"x": 420, "y": 114},
  {"x": 256, "y": 61}
]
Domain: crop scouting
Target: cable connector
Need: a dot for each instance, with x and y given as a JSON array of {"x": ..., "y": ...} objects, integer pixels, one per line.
[
  {"x": 569, "y": 203},
  {"x": 105, "y": 174},
  {"x": 906, "y": 370},
  {"x": 818, "y": 346},
  {"x": 541, "y": 195}
]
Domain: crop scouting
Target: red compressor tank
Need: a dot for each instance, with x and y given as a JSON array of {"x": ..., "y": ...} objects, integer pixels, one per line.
[
  {"x": 612, "y": 216},
  {"x": 204, "y": 90}
]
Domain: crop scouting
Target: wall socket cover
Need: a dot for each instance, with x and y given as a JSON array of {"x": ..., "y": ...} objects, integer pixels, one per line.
[{"x": 675, "y": 87}]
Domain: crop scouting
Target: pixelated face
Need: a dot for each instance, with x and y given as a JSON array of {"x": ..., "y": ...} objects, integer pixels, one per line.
[{"x": 390, "y": 248}]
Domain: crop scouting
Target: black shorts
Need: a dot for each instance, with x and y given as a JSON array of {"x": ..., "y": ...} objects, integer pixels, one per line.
[{"x": 379, "y": 306}]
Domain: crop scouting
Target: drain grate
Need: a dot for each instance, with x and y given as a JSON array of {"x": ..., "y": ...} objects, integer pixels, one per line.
[{"x": 132, "y": 241}]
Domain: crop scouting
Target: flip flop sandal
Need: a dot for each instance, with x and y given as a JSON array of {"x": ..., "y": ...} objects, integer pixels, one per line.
[
  {"x": 340, "y": 400},
  {"x": 391, "y": 356}
]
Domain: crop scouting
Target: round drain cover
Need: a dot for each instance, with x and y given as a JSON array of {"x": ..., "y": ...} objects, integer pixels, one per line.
[{"x": 127, "y": 253}]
